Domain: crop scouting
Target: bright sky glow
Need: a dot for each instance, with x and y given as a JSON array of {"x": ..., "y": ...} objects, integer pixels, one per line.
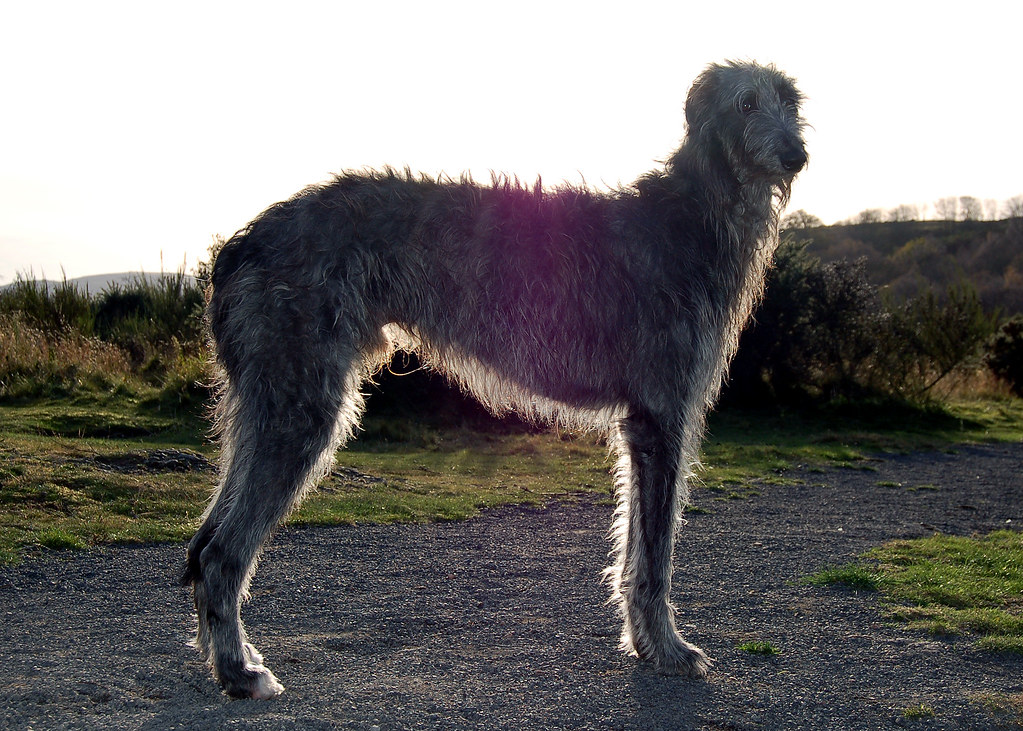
[{"x": 130, "y": 128}]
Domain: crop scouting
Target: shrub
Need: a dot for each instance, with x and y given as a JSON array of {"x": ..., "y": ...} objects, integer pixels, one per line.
[
  {"x": 1003, "y": 354},
  {"x": 142, "y": 314},
  {"x": 929, "y": 337},
  {"x": 35, "y": 364},
  {"x": 823, "y": 333},
  {"x": 144, "y": 334},
  {"x": 62, "y": 308},
  {"x": 813, "y": 335}
]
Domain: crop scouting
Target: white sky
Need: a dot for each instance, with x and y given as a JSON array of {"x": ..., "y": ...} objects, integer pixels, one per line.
[{"x": 135, "y": 128}]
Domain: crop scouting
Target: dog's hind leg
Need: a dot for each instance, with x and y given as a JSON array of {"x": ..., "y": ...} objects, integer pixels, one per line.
[
  {"x": 647, "y": 517},
  {"x": 286, "y": 411}
]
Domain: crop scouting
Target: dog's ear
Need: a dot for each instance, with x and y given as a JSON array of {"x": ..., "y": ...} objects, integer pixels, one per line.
[
  {"x": 788, "y": 94},
  {"x": 699, "y": 102},
  {"x": 702, "y": 113}
]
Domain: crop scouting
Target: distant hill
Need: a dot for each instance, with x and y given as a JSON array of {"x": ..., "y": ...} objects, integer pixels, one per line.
[
  {"x": 97, "y": 283},
  {"x": 906, "y": 256}
]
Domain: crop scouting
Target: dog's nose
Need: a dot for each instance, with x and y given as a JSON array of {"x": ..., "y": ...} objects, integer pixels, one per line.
[{"x": 793, "y": 159}]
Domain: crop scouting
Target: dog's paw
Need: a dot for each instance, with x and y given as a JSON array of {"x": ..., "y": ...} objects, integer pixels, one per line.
[
  {"x": 674, "y": 656},
  {"x": 255, "y": 681},
  {"x": 249, "y": 678},
  {"x": 266, "y": 685},
  {"x": 682, "y": 659}
]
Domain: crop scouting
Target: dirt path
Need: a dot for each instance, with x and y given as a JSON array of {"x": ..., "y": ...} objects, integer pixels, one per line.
[{"x": 500, "y": 622}]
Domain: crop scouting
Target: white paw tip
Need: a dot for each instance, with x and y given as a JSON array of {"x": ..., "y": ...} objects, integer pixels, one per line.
[{"x": 267, "y": 686}]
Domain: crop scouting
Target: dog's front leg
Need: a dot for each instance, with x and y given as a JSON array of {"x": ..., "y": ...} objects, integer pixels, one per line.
[{"x": 648, "y": 513}]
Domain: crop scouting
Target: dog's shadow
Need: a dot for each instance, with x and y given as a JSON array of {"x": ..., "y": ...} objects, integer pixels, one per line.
[{"x": 666, "y": 702}]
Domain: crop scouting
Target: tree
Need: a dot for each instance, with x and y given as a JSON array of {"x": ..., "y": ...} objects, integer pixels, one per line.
[
  {"x": 991, "y": 207},
  {"x": 801, "y": 219},
  {"x": 946, "y": 209},
  {"x": 970, "y": 208},
  {"x": 813, "y": 335},
  {"x": 1014, "y": 207},
  {"x": 1003, "y": 354},
  {"x": 904, "y": 213},
  {"x": 871, "y": 215}
]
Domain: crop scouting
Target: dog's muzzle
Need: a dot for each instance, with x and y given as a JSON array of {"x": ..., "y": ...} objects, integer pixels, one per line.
[{"x": 793, "y": 159}]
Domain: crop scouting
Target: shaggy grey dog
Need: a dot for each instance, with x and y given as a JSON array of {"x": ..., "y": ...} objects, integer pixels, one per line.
[{"x": 615, "y": 311}]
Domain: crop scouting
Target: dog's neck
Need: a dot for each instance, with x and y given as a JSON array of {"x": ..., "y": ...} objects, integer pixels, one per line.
[
  {"x": 741, "y": 208},
  {"x": 740, "y": 215}
]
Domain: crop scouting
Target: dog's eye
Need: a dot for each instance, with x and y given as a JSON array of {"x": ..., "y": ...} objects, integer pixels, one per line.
[{"x": 748, "y": 104}]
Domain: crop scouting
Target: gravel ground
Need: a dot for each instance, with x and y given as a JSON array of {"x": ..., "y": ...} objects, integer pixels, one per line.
[{"x": 501, "y": 622}]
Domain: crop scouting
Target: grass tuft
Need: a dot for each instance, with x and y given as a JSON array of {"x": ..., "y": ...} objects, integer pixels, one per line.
[
  {"x": 1006, "y": 708},
  {"x": 947, "y": 585},
  {"x": 919, "y": 712},
  {"x": 760, "y": 648},
  {"x": 60, "y": 539},
  {"x": 852, "y": 576}
]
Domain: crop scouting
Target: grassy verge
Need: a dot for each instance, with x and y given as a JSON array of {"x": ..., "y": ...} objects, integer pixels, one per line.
[
  {"x": 454, "y": 476},
  {"x": 947, "y": 585},
  {"x": 74, "y": 474},
  {"x": 746, "y": 450},
  {"x": 60, "y": 485}
]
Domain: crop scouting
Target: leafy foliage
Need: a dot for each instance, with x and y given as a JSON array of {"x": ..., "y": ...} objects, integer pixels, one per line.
[
  {"x": 1004, "y": 354},
  {"x": 928, "y": 337},
  {"x": 57, "y": 341},
  {"x": 905, "y": 256},
  {"x": 815, "y": 326},
  {"x": 824, "y": 333}
]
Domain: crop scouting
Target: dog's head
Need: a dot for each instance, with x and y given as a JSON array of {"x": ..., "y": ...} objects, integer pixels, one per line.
[{"x": 750, "y": 113}]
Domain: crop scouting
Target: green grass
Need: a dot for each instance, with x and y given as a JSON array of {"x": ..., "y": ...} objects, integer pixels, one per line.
[
  {"x": 1006, "y": 708},
  {"x": 851, "y": 576},
  {"x": 947, "y": 585},
  {"x": 55, "y": 493},
  {"x": 747, "y": 450},
  {"x": 65, "y": 500},
  {"x": 918, "y": 712},
  {"x": 760, "y": 648},
  {"x": 455, "y": 476}
]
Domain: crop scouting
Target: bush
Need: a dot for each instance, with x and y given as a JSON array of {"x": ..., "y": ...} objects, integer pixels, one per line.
[
  {"x": 1003, "y": 354},
  {"x": 143, "y": 314},
  {"x": 930, "y": 337},
  {"x": 823, "y": 333},
  {"x": 814, "y": 334},
  {"x": 64, "y": 308},
  {"x": 148, "y": 334}
]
